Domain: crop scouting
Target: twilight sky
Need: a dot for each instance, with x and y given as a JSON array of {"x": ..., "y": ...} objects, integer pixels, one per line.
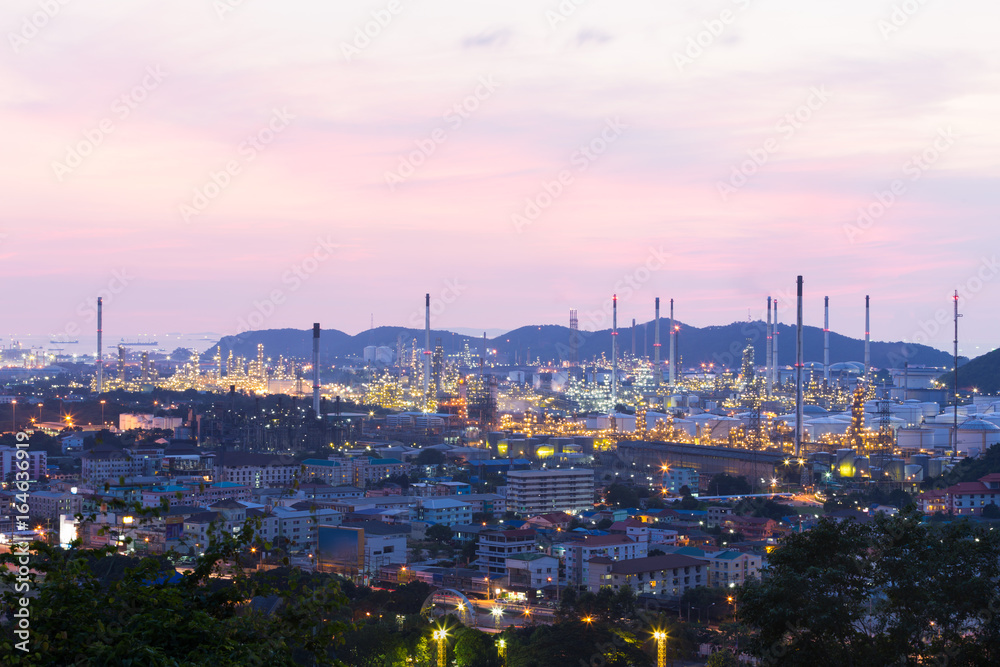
[{"x": 216, "y": 164}]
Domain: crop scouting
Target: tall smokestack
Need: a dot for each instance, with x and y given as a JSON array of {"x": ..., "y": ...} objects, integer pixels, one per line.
[
  {"x": 774, "y": 342},
  {"x": 614, "y": 351},
  {"x": 316, "y": 369},
  {"x": 768, "y": 352},
  {"x": 658, "y": 371},
  {"x": 100, "y": 352},
  {"x": 868, "y": 348},
  {"x": 633, "y": 338},
  {"x": 427, "y": 351},
  {"x": 672, "y": 361},
  {"x": 798, "y": 370},
  {"x": 954, "y": 415},
  {"x": 826, "y": 340}
]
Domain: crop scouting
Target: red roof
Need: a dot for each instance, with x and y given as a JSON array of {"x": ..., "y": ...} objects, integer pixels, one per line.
[{"x": 605, "y": 540}]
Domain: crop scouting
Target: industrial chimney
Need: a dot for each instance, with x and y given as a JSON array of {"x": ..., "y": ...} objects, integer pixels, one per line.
[
  {"x": 658, "y": 374},
  {"x": 672, "y": 362},
  {"x": 826, "y": 340},
  {"x": 798, "y": 370},
  {"x": 614, "y": 351},
  {"x": 768, "y": 352},
  {"x": 316, "y": 369},
  {"x": 868, "y": 349},
  {"x": 100, "y": 361},
  {"x": 427, "y": 351}
]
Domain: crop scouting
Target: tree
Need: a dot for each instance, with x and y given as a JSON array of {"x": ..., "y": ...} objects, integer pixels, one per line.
[
  {"x": 142, "y": 610},
  {"x": 728, "y": 485},
  {"x": 439, "y": 533},
  {"x": 474, "y": 648},
  {"x": 723, "y": 658},
  {"x": 684, "y": 490},
  {"x": 622, "y": 495},
  {"x": 430, "y": 457},
  {"x": 892, "y": 591},
  {"x": 991, "y": 511}
]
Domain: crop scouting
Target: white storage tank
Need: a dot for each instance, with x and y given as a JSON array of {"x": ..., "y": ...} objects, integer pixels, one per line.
[{"x": 913, "y": 473}]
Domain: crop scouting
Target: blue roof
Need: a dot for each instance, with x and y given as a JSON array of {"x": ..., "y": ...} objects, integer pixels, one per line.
[{"x": 385, "y": 461}]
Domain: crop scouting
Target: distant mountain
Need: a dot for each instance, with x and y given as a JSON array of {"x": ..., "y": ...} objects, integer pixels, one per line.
[
  {"x": 721, "y": 345},
  {"x": 982, "y": 373}
]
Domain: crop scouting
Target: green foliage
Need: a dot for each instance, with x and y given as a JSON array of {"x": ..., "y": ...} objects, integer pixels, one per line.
[
  {"x": 724, "y": 658},
  {"x": 473, "y": 648},
  {"x": 892, "y": 591},
  {"x": 96, "y": 608},
  {"x": 573, "y": 643},
  {"x": 728, "y": 485},
  {"x": 430, "y": 457},
  {"x": 991, "y": 511},
  {"x": 621, "y": 496},
  {"x": 970, "y": 470},
  {"x": 439, "y": 533}
]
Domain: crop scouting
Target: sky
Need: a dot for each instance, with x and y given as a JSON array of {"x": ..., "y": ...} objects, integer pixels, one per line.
[{"x": 218, "y": 165}]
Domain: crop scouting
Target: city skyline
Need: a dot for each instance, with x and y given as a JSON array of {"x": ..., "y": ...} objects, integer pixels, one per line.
[{"x": 515, "y": 159}]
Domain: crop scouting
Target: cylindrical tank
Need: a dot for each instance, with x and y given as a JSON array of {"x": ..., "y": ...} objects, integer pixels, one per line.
[
  {"x": 936, "y": 466},
  {"x": 913, "y": 473},
  {"x": 861, "y": 466},
  {"x": 896, "y": 469},
  {"x": 924, "y": 461},
  {"x": 845, "y": 455}
]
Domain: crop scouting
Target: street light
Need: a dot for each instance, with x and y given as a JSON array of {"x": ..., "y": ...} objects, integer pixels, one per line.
[
  {"x": 502, "y": 651},
  {"x": 102, "y": 411},
  {"x": 661, "y": 648},
  {"x": 497, "y": 615},
  {"x": 441, "y": 636},
  {"x": 13, "y": 416}
]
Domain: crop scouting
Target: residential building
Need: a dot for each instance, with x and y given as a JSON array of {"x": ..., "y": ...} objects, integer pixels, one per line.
[
  {"x": 752, "y": 527},
  {"x": 579, "y": 553},
  {"x": 496, "y": 546},
  {"x": 963, "y": 499},
  {"x": 335, "y": 473},
  {"x": 676, "y": 478},
  {"x": 532, "y": 572},
  {"x": 551, "y": 521},
  {"x": 669, "y": 576},
  {"x": 558, "y": 490},
  {"x": 50, "y": 504},
  {"x": 37, "y": 464},
  {"x": 445, "y": 511},
  {"x": 256, "y": 470}
]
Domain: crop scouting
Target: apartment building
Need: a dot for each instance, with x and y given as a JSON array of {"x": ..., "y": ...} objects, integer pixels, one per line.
[{"x": 531, "y": 492}]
